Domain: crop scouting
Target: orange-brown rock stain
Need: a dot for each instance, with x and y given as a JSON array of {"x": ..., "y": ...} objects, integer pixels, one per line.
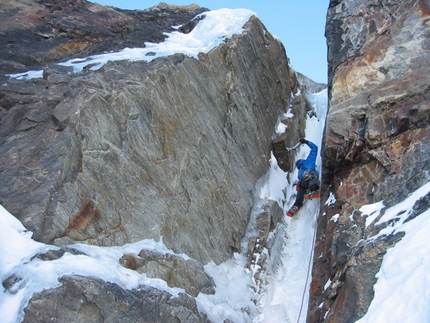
[
  {"x": 425, "y": 9},
  {"x": 82, "y": 220},
  {"x": 71, "y": 47},
  {"x": 129, "y": 261}
]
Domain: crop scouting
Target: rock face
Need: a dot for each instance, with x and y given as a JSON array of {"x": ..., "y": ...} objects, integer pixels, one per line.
[
  {"x": 376, "y": 142},
  {"x": 295, "y": 129},
  {"x": 309, "y": 84},
  {"x": 142, "y": 150}
]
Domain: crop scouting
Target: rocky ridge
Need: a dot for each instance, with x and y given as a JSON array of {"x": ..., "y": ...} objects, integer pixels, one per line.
[{"x": 36, "y": 33}]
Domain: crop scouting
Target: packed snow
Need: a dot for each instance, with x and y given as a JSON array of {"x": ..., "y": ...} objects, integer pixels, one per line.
[{"x": 402, "y": 290}]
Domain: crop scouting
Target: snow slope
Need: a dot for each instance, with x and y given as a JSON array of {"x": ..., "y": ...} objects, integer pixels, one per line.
[{"x": 402, "y": 292}]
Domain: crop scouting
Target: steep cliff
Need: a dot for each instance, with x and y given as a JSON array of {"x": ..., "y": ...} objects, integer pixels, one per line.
[
  {"x": 167, "y": 149},
  {"x": 376, "y": 144}
]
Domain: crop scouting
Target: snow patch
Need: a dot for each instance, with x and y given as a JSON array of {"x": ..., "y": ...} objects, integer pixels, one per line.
[
  {"x": 372, "y": 211},
  {"x": 327, "y": 284},
  {"x": 331, "y": 200},
  {"x": 335, "y": 217},
  {"x": 280, "y": 129},
  {"x": 288, "y": 115},
  {"x": 233, "y": 297},
  {"x": 398, "y": 213}
]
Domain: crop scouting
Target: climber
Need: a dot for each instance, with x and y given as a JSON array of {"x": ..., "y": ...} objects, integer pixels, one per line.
[{"x": 308, "y": 182}]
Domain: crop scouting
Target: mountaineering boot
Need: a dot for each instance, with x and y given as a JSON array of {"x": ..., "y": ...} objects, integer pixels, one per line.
[
  {"x": 292, "y": 211},
  {"x": 312, "y": 195}
]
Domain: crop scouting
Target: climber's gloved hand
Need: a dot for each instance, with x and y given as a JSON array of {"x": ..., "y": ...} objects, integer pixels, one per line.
[{"x": 303, "y": 141}]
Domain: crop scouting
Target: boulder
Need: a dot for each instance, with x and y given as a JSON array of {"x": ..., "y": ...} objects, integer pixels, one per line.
[
  {"x": 174, "y": 270},
  {"x": 86, "y": 299}
]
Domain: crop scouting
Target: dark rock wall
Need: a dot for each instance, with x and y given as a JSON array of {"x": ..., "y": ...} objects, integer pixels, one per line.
[
  {"x": 169, "y": 149},
  {"x": 376, "y": 142}
]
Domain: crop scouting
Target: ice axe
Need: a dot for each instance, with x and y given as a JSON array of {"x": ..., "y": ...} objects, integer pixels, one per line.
[{"x": 294, "y": 147}]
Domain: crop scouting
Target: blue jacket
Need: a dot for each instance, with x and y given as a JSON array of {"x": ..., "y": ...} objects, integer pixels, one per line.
[{"x": 308, "y": 163}]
